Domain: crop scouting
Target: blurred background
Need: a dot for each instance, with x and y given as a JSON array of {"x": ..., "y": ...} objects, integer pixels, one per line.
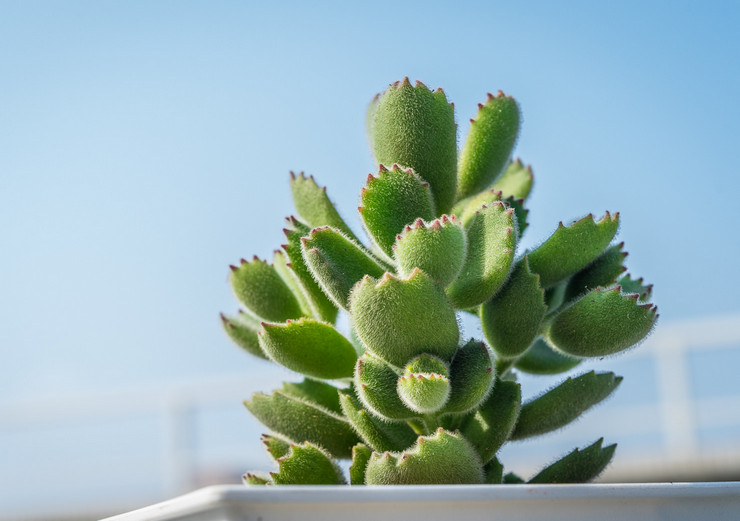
[{"x": 145, "y": 146}]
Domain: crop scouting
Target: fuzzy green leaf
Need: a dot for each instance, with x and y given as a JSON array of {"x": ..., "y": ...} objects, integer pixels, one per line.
[
  {"x": 314, "y": 391},
  {"x": 282, "y": 266},
  {"x": 520, "y": 212},
  {"x": 540, "y": 358},
  {"x": 580, "y": 466},
  {"x": 381, "y": 435},
  {"x": 307, "y": 464},
  {"x": 300, "y": 420},
  {"x": 437, "y": 248},
  {"x": 392, "y": 200},
  {"x": 251, "y": 479},
  {"x": 243, "y": 329},
  {"x": 563, "y": 404},
  {"x": 314, "y": 206},
  {"x": 516, "y": 181},
  {"x": 494, "y": 471},
  {"x": 511, "y": 319},
  {"x": 472, "y": 205},
  {"x": 323, "y": 308},
  {"x": 309, "y": 347},
  {"x": 471, "y": 377},
  {"x": 398, "y": 319},
  {"x": 415, "y": 127},
  {"x": 489, "y": 144},
  {"x": 601, "y": 272},
  {"x": 375, "y": 384},
  {"x": 442, "y": 458},
  {"x": 601, "y": 323},
  {"x": 425, "y": 386},
  {"x": 494, "y": 421},
  {"x": 571, "y": 248},
  {"x": 276, "y": 446},
  {"x": 360, "y": 456},
  {"x": 337, "y": 263},
  {"x": 258, "y": 286},
  {"x": 555, "y": 296},
  {"x": 491, "y": 237},
  {"x": 631, "y": 286},
  {"x": 512, "y": 479}
]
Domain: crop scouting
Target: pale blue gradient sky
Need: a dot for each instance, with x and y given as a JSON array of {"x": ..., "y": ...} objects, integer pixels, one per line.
[{"x": 144, "y": 146}]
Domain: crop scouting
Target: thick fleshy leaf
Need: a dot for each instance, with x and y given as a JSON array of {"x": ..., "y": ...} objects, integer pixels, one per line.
[
  {"x": 511, "y": 319},
  {"x": 307, "y": 464},
  {"x": 563, "y": 404},
  {"x": 398, "y": 319},
  {"x": 437, "y": 248},
  {"x": 571, "y": 248},
  {"x": 315, "y": 391},
  {"x": 520, "y": 212},
  {"x": 638, "y": 286},
  {"x": 243, "y": 329},
  {"x": 258, "y": 286},
  {"x": 314, "y": 206},
  {"x": 580, "y": 466},
  {"x": 444, "y": 458},
  {"x": 379, "y": 434},
  {"x": 323, "y": 308},
  {"x": 489, "y": 144},
  {"x": 392, "y": 200},
  {"x": 309, "y": 347},
  {"x": 477, "y": 202},
  {"x": 375, "y": 384},
  {"x": 300, "y": 420},
  {"x": 493, "y": 422},
  {"x": 491, "y": 238},
  {"x": 601, "y": 272},
  {"x": 425, "y": 386},
  {"x": 555, "y": 296},
  {"x": 337, "y": 263},
  {"x": 494, "y": 471},
  {"x": 282, "y": 266},
  {"x": 415, "y": 127},
  {"x": 276, "y": 446},
  {"x": 360, "y": 456},
  {"x": 601, "y": 323},
  {"x": 471, "y": 377},
  {"x": 540, "y": 358},
  {"x": 251, "y": 479},
  {"x": 516, "y": 181}
]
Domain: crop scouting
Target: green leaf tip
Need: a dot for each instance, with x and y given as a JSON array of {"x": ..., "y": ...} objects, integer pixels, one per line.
[
  {"x": 580, "y": 466},
  {"x": 377, "y": 432},
  {"x": 437, "y": 248},
  {"x": 415, "y": 127},
  {"x": 493, "y": 134},
  {"x": 307, "y": 464},
  {"x": 516, "y": 181},
  {"x": 602, "y": 322},
  {"x": 243, "y": 329},
  {"x": 390, "y": 201},
  {"x": 314, "y": 206},
  {"x": 425, "y": 386},
  {"x": 398, "y": 319},
  {"x": 571, "y": 248},
  {"x": 442, "y": 458},
  {"x": 309, "y": 347}
]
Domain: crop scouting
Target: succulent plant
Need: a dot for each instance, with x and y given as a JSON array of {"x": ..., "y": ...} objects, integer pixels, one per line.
[{"x": 402, "y": 395}]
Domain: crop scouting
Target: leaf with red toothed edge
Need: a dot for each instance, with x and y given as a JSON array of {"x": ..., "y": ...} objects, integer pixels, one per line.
[
  {"x": 516, "y": 181},
  {"x": 259, "y": 287},
  {"x": 638, "y": 286},
  {"x": 436, "y": 248},
  {"x": 252, "y": 479},
  {"x": 425, "y": 386},
  {"x": 337, "y": 263},
  {"x": 493, "y": 134},
  {"x": 390, "y": 201},
  {"x": 314, "y": 206},
  {"x": 571, "y": 248},
  {"x": 602, "y": 322},
  {"x": 309, "y": 347},
  {"x": 307, "y": 464},
  {"x": 243, "y": 329},
  {"x": 603, "y": 272},
  {"x": 491, "y": 238},
  {"x": 323, "y": 308},
  {"x": 415, "y": 128},
  {"x": 276, "y": 447}
]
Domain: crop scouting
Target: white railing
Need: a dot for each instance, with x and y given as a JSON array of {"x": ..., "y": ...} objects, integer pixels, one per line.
[{"x": 180, "y": 446}]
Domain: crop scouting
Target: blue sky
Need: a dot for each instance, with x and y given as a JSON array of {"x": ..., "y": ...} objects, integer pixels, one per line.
[{"x": 145, "y": 146}]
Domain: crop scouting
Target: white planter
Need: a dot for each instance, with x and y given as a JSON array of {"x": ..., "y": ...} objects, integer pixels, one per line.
[{"x": 604, "y": 502}]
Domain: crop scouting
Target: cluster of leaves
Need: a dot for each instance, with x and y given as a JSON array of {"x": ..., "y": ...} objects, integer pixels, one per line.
[{"x": 404, "y": 397}]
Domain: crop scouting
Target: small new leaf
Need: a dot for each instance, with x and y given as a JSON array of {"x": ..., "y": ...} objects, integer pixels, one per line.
[
  {"x": 307, "y": 464},
  {"x": 601, "y": 272},
  {"x": 375, "y": 384}
]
